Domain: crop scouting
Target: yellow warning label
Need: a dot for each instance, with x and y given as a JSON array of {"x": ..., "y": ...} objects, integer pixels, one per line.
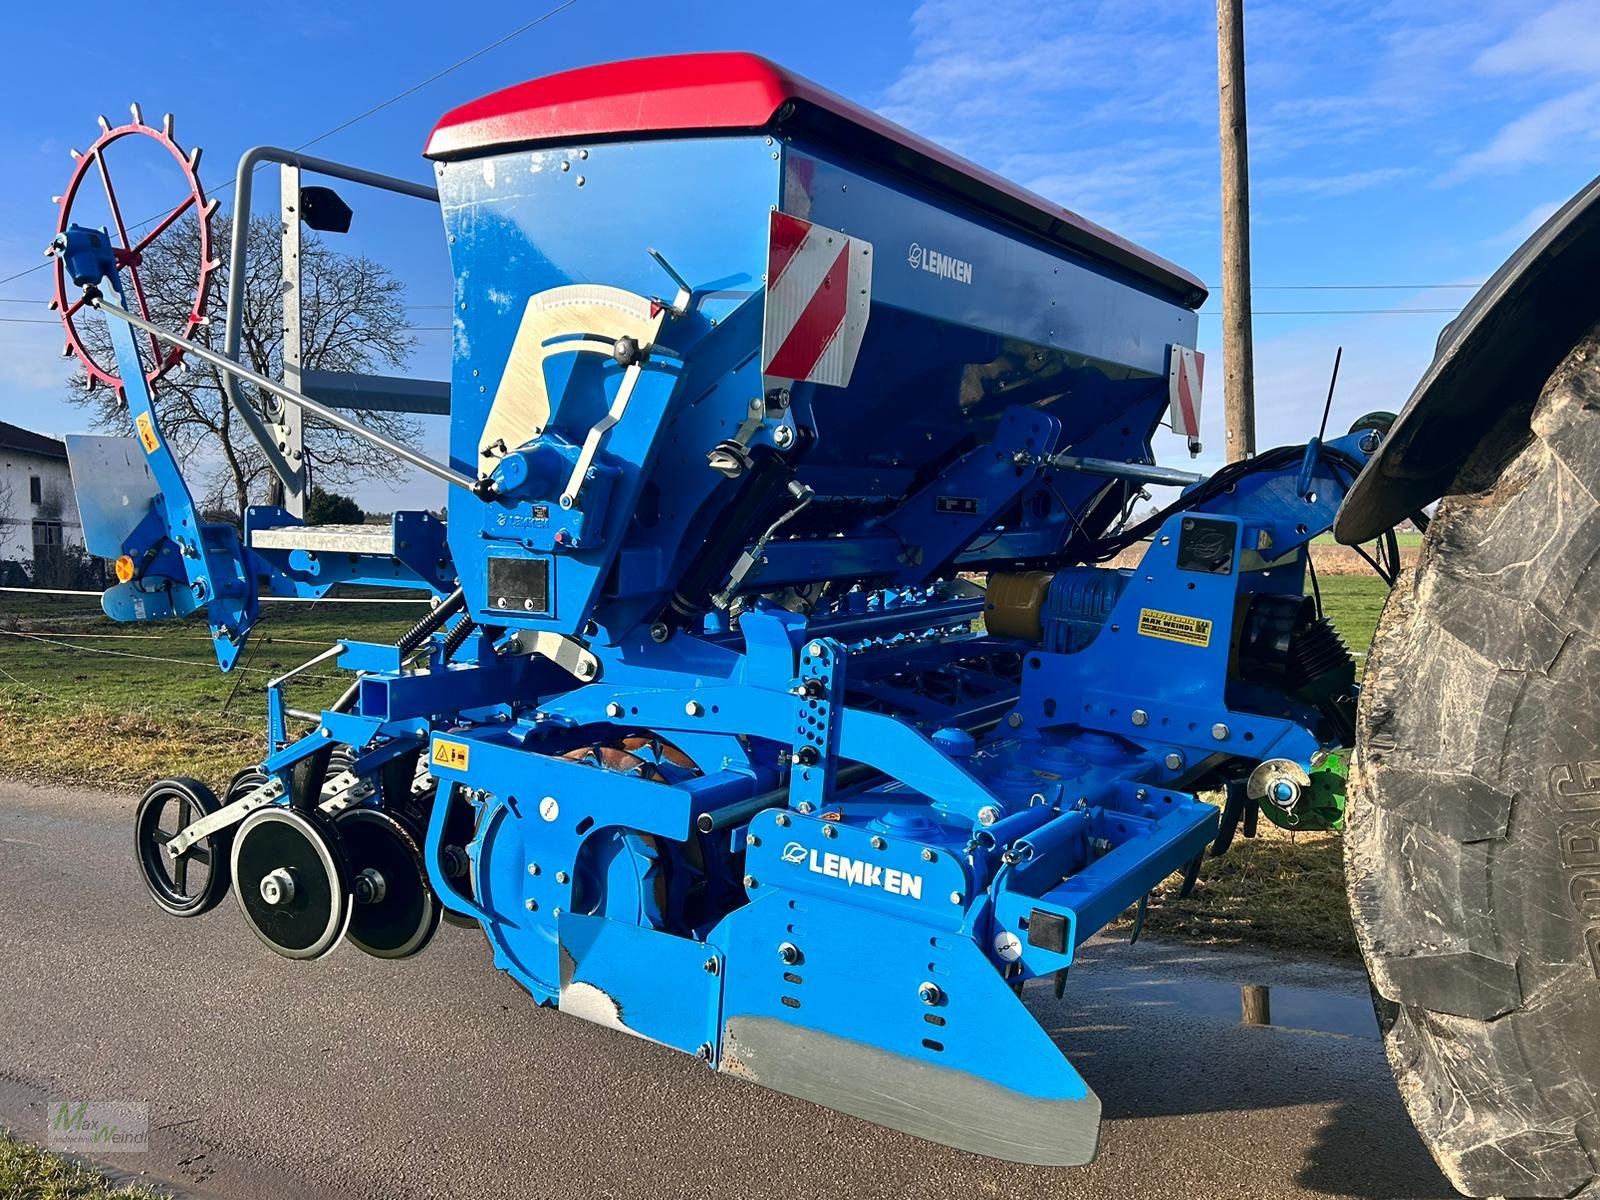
[
  {"x": 147, "y": 433},
  {"x": 452, "y": 755},
  {"x": 1174, "y": 627}
]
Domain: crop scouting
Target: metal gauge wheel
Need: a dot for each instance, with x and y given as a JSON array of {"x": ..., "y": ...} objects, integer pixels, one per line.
[
  {"x": 396, "y": 913},
  {"x": 292, "y": 883},
  {"x": 192, "y": 883}
]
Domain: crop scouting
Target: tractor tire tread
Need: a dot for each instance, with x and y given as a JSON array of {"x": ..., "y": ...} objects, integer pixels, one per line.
[{"x": 1472, "y": 846}]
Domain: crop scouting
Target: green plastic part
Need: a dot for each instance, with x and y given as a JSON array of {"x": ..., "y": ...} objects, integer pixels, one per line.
[{"x": 1321, "y": 805}]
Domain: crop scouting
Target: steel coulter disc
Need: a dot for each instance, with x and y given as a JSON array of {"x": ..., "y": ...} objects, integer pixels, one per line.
[
  {"x": 395, "y": 913},
  {"x": 291, "y": 882}
]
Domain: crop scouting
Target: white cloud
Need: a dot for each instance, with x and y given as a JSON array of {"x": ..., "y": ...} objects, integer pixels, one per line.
[
  {"x": 1110, "y": 107},
  {"x": 1556, "y": 128},
  {"x": 1563, "y": 39},
  {"x": 30, "y": 359},
  {"x": 1107, "y": 108},
  {"x": 1518, "y": 233},
  {"x": 1335, "y": 183}
]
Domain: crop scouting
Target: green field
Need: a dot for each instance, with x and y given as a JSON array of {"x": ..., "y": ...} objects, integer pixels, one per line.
[
  {"x": 1353, "y": 603},
  {"x": 86, "y": 700}
]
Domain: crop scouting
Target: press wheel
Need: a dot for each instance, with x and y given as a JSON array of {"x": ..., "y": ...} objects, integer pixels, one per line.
[
  {"x": 292, "y": 883},
  {"x": 395, "y": 913}
]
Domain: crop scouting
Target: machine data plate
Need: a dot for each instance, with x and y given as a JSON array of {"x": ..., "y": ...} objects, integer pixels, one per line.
[
  {"x": 1206, "y": 546},
  {"x": 520, "y": 585}
]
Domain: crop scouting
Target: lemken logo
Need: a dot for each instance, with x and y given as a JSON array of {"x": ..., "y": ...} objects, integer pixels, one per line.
[
  {"x": 935, "y": 263},
  {"x": 854, "y": 872}
]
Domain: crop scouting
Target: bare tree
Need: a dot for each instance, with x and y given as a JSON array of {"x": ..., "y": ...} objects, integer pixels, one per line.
[
  {"x": 7, "y": 513},
  {"x": 353, "y": 318}
]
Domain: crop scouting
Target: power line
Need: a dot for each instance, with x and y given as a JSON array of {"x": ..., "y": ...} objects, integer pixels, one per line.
[
  {"x": 26, "y": 271},
  {"x": 1338, "y": 312},
  {"x": 1359, "y": 287},
  {"x": 35, "y": 591},
  {"x": 42, "y": 303},
  {"x": 1260, "y": 287},
  {"x": 455, "y": 66},
  {"x": 376, "y": 108}
]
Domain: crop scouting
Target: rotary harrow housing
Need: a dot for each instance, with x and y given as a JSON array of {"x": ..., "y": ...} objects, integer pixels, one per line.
[{"x": 709, "y": 728}]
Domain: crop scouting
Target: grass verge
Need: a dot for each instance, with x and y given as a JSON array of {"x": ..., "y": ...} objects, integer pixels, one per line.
[
  {"x": 1279, "y": 890},
  {"x": 87, "y": 701},
  {"x": 28, "y": 1173},
  {"x": 119, "y": 749}
]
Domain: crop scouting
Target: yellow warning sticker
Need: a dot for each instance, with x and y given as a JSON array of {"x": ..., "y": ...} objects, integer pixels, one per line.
[
  {"x": 452, "y": 755},
  {"x": 147, "y": 433},
  {"x": 1174, "y": 627}
]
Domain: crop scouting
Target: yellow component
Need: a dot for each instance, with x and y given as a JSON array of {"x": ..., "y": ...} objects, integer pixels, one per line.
[
  {"x": 147, "y": 433},
  {"x": 563, "y": 320},
  {"x": 452, "y": 755},
  {"x": 1174, "y": 627},
  {"x": 125, "y": 569},
  {"x": 1013, "y": 603}
]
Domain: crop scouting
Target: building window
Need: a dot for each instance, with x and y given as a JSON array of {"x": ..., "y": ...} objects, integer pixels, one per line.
[
  {"x": 46, "y": 536},
  {"x": 35, "y": 490}
]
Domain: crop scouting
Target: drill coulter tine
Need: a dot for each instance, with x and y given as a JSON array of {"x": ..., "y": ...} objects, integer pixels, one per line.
[
  {"x": 1191, "y": 876},
  {"x": 1138, "y": 919}
]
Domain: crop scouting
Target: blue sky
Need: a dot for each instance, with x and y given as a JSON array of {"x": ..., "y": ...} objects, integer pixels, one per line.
[{"x": 1393, "y": 142}]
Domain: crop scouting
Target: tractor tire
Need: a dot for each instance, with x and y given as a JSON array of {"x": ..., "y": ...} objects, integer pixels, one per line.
[{"x": 1472, "y": 848}]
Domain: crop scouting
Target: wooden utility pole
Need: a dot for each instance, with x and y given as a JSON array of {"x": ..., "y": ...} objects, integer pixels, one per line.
[{"x": 1238, "y": 354}]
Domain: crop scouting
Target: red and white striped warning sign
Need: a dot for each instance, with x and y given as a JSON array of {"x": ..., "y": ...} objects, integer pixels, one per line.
[
  {"x": 1185, "y": 371},
  {"x": 819, "y": 292}
]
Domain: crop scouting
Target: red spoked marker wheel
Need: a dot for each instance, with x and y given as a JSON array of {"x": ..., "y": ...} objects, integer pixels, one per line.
[{"x": 130, "y": 253}]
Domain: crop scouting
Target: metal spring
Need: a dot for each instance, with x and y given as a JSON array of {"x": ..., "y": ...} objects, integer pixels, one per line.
[
  {"x": 458, "y": 634},
  {"x": 425, "y": 626}
]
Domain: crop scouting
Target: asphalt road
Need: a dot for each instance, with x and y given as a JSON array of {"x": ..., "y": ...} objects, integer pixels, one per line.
[{"x": 438, "y": 1077}]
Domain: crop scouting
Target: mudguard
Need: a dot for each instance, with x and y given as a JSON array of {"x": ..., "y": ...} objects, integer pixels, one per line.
[{"x": 1491, "y": 359}]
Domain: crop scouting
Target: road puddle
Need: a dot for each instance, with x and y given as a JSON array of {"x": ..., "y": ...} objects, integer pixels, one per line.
[{"x": 1304, "y": 1010}]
